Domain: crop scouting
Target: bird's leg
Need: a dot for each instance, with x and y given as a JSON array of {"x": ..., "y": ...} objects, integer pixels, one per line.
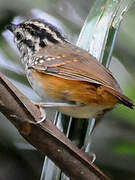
[
  {"x": 55, "y": 104},
  {"x": 86, "y": 147},
  {"x": 43, "y": 115},
  {"x": 90, "y": 156},
  {"x": 43, "y": 105}
]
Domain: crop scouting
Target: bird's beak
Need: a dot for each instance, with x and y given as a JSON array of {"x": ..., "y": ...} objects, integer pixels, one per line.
[{"x": 11, "y": 27}]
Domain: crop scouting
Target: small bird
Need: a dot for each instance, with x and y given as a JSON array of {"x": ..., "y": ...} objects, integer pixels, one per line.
[{"x": 65, "y": 76}]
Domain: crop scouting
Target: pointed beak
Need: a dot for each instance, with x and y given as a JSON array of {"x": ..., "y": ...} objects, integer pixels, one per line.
[{"x": 11, "y": 27}]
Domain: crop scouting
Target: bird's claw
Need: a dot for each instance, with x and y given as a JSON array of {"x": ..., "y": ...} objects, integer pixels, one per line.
[{"x": 43, "y": 113}]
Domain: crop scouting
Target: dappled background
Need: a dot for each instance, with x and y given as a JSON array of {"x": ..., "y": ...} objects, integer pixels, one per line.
[{"x": 114, "y": 139}]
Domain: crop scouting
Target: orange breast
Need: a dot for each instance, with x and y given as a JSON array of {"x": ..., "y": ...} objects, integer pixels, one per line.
[{"x": 75, "y": 91}]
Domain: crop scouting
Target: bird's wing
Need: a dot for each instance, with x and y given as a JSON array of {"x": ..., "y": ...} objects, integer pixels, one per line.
[{"x": 76, "y": 64}]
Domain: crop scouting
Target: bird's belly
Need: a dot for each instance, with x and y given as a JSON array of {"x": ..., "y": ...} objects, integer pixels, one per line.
[{"x": 90, "y": 111}]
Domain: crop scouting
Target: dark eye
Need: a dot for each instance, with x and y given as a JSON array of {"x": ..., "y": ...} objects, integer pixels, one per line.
[
  {"x": 18, "y": 36},
  {"x": 42, "y": 44}
]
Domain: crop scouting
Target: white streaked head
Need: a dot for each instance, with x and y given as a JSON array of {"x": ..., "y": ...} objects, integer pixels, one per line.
[{"x": 32, "y": 35}]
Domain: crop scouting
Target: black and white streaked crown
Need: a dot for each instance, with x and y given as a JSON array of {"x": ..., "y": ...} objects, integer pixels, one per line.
[
  {"x": 43, "y": 30},
  {"x": 35, "y": 34}
]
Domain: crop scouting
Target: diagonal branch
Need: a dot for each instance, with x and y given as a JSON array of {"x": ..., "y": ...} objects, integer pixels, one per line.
[{"x": 45, "y": 136}]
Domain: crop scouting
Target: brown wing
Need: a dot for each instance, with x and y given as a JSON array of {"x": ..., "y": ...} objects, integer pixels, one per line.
[{"x": 71, "y": 62}]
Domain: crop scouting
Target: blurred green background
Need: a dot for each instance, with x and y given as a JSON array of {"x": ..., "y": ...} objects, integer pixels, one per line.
[{"x": 114, "y": 139}]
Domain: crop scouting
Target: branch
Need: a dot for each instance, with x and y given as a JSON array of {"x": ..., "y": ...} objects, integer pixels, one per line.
[{"x": 45, "y": 136}]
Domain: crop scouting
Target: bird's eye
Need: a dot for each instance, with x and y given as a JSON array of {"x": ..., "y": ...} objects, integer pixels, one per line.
[
  {"x": 18, "y": 36},
  {"x": 42, "y": 44}
]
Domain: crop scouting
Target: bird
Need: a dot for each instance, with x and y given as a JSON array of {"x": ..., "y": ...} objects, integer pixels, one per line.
[{"x": 65, "y": 76}]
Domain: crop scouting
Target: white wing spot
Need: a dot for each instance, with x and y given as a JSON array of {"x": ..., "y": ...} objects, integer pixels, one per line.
[
  {"x": 53, "y": 58},
  {"x": 41, "y": 61},
  {"x": 36, "y": 62},
  {"x": 49, "y": 59},
  {"x": 58, "y": 57}
]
